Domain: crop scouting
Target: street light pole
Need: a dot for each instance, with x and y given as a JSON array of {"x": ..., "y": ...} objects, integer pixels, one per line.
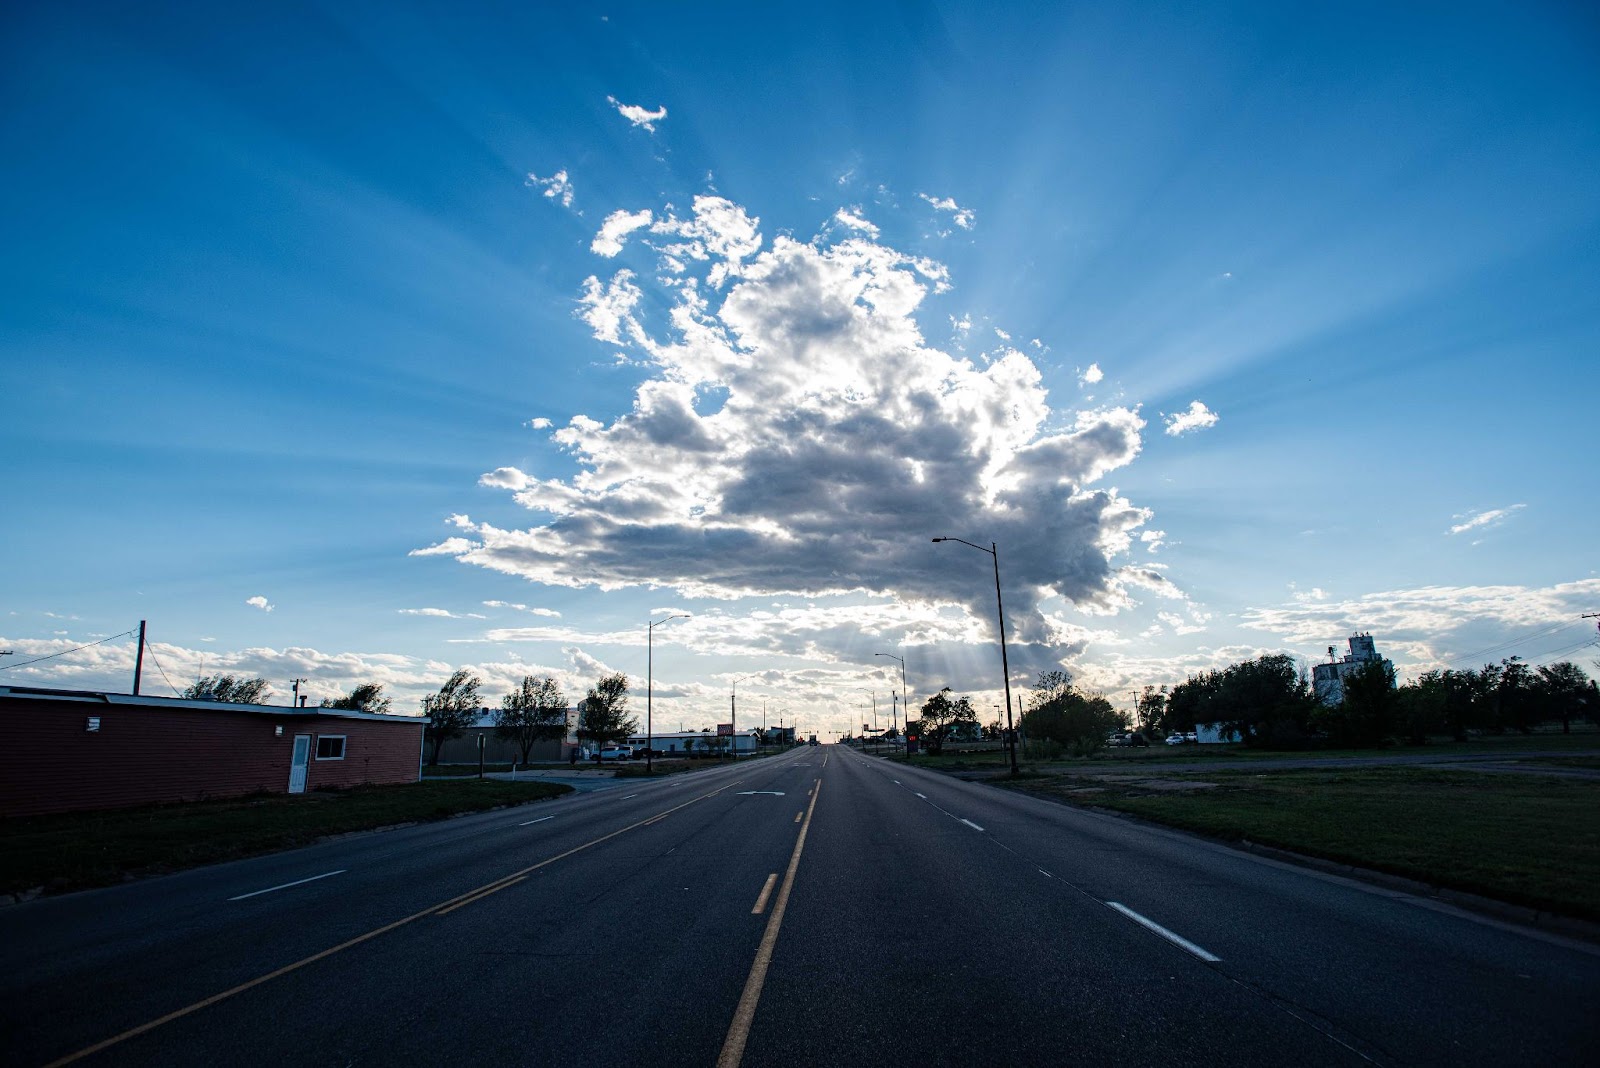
[
  {"x": 1005, "y": 664},
  {"x": 733, "y": 714},
  {"x": 905, "y": 694},
  {"x": 649, "y": 688}
]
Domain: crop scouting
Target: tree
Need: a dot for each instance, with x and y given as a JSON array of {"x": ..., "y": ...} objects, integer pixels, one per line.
[
  {"x": 1266, "y": 701},
  {"x": 939, "y": 717},
  {"x": 228, "y": 688},
  {"x": 367, "y": 697},
  {"x": 1366, "y": 715},
  {"x": 1565, "y": 692},
  {"x": 535, "y": 711},
  {"x": 1151, "y": 710},
  {"x": 603, "y": 715},
  {"x": 450, "y": 711},
  {"x": 1058, "y": 713}
]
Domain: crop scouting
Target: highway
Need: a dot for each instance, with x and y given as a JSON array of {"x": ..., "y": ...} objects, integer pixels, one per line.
[{"x": 816, "y": 908}]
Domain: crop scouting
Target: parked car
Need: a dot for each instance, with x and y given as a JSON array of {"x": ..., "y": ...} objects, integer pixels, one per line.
[
  {"x": 1175, "y": 739},
  {"x": 615, "y": 753},
  {"x": 1191, "y": 736}
]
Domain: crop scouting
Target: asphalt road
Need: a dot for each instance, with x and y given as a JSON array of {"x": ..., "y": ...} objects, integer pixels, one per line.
[{"x": 817, "y": 908}]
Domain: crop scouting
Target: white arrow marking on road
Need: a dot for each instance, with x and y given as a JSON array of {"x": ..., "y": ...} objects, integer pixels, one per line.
[
  {"x": 285, "y": 886},
  {"x": 751, "y": 793}
]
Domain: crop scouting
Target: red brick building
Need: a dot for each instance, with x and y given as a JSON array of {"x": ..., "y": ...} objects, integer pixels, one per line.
[{"x": 74, "y": 749}]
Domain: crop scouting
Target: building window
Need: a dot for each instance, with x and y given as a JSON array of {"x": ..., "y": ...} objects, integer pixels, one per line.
[{"x": 330, "y": 747}]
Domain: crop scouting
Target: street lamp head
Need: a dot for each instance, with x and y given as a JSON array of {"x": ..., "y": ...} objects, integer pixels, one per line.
[{"x": 937, "y": 540}]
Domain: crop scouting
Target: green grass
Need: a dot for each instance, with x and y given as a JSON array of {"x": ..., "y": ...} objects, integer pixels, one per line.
[
  {"x": 1527, "y": 839},
  {"x": 77, "y": 850}
]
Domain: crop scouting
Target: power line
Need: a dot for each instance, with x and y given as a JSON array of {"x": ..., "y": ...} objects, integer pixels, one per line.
[
  {"x": 152, "y": 651},
  {"x": 64, "y": 652},
  {"x": 1507, "y": 645}
]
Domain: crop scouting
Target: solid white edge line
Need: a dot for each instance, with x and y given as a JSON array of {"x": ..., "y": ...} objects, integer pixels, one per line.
[
  {"x": 1175, "y": 939},
  {"x": 541, "y": 819},
  {"x": 974, "y": 826},
  {"x": 285, "y": 886}
]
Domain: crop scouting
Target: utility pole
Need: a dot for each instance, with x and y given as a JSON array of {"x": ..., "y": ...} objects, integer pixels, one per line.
[
  {"x": 138, "y": 663},
  {"x": 295, "y": 683}
]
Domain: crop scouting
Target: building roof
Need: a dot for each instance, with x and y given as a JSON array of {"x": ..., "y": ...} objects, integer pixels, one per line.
[{"x": 128, "y": 700}]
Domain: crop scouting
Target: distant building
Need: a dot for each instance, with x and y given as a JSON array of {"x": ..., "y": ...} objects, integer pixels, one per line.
[
  {"x": 463, "y": 749},
  {"x": 1328, "y": 679}
]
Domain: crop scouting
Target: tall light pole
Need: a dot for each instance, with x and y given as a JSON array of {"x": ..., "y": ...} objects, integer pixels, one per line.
[
  {"x": 1005, "y": 665},
  {"x": 905, "y": 694},
  {"x": 733, "y": 713},
  {"x": 649, "y": 687}
]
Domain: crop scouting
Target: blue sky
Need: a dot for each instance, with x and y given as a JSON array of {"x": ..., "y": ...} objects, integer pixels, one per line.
[{"x": 1237, "y": 328}]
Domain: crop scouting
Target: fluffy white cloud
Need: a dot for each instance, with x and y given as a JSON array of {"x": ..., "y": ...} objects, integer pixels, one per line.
[
  {"x": 261, "y": 603},
  {"x": 1198, "y": 417},
  {"x": 1482, "y": 520},
  {"x": 557, "y": 188},
  {"x": 618, "y": 225},
  {"x": 798, "y": 434},
  {"x": 855, "y": 221},
  {"x": 1092, "y": 375},
  {"x": 639, "y": 116},
  {"x": 540, "y": 423},
  {"x": 965, "y": 218}
]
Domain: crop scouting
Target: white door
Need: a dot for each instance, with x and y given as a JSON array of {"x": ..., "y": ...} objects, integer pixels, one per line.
[{"x": 297, "y": 767}]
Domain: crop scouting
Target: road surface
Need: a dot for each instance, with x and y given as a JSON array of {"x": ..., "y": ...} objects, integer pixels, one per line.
[{"x": 815, "y": 908}]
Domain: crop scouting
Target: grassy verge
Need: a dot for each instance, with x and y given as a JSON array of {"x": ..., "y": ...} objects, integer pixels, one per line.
[
  {"x": 1200, "y": 755},
  {"x": 74, "y": 851},
  {"x": 1526, "y": 839}
]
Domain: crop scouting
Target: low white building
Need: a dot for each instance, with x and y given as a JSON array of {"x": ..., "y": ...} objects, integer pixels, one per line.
[
  {"x": 1328, "y": 679},
  {"x": 702, "y": 742}
]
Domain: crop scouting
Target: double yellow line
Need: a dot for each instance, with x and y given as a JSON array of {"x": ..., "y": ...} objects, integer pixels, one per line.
[{"x": 440, "y": 909}]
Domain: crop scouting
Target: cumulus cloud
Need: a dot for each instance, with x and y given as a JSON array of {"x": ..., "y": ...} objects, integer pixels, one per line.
[
  {"x": 1483, "y": 520},
  {"x": 965, "y": 218},
  {"x": 855, "y": 221},
  {"x": 1093, "y": 375},
  {"x": 1198, "y": 417},
  {"x": 618, "y": 225},
  {"x": 540, "y": 423},
  {"x": 261, "y": 603},
  {"x": 557, "y": 188},
  {"x": 796, "y": 433},
  {"x": 639, "y": 116}
]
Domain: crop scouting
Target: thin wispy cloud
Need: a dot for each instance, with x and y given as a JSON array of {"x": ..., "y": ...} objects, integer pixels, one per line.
[
  {"x": 557, "y": 187},
  {"x": 1197, "y": 417},
  {"x": 641, "y": 117},
  {"x": 439, "y": 613},
  {"x": 1492, "y": 517},
  {"x": 855, "y": 221},
  {"x": 965, "y": 218}
]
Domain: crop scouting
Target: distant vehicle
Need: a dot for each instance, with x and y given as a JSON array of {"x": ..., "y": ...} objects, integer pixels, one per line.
[
  {"x": 814, "y": 742},
  {"x": 1191, "y": 736},
  {"x": 1175, "y": 739},
  {"x": 1138, "y": 740},
  {"x": 615, "y": 753}
]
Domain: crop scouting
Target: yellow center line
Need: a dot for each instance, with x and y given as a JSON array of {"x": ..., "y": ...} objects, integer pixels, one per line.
[
  {"x": 766, "y": 892},
  {"x": 745, "y": 1014},
  {"x": 479, "y": 897},
  {"x": 437, "y": 908}
]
